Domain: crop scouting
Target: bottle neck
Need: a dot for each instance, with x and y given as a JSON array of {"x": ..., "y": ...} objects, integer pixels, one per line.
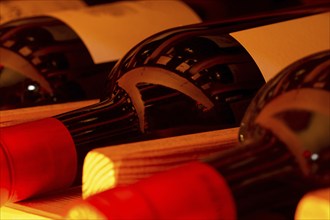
[
  {"x": 107, "y": 122},
  {"x": 261, "y": 175},
  {"x": 117, "y": 119}
]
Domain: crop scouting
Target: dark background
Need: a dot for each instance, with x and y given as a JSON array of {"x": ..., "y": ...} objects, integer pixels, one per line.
[{"x": 230, "y": 8}]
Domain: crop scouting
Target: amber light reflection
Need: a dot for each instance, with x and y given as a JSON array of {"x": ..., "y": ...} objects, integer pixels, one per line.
[
  {"x": 98, "y": 174},
  {"x": 7, "y": 213},
  {"x": 314, "y": 205}
]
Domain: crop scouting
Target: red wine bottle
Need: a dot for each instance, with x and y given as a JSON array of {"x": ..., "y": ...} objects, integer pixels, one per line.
[
  {"x": 183, "y": 80},
  {"x": 65, "y": 55},
  {"x": 284, "y": 153}
]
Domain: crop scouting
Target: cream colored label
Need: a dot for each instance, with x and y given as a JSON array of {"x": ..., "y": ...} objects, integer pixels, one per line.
[
  {"x": 110, "y": 30},
  {"x": 13, "y": 9},
  {"x": 273, "y": 47}
]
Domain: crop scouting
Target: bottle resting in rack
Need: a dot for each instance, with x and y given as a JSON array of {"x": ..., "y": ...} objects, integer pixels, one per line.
[
  {"x": 183, "y": 80},
  {"x": 65, "y": 55},
  {"x": 43, "y": 61},
  {"x": 284, "y": 154}
]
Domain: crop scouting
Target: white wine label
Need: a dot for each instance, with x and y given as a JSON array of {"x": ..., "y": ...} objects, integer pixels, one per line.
[
  {"x": 275, "y": 46},
  {"x": 110, "y": 30},
  {"x": 13, "y": 9}
]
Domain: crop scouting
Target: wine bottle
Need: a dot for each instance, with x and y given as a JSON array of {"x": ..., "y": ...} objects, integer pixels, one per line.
[
  {"x": 65, "y": 55},
  {"x": 183, "y": 80},
  {"x": 284, "y": 154},
  {"x": 40, "y": 65}
]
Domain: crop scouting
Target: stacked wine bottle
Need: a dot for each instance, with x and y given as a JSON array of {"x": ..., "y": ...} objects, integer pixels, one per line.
[{"x": 183, "y": 80}]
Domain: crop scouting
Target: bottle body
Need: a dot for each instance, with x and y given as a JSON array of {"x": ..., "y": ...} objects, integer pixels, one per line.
[
  {"x": 263, "y": 177},
  {"x": 200, "y": 81},
  {"x": 179, "y": 81},
  {"x": 185, "y": 80}
]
